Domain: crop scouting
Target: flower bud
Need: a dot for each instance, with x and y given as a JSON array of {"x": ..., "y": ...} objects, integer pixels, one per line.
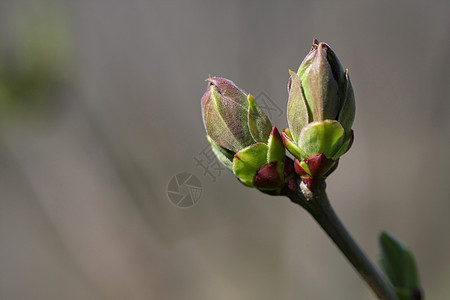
[
  {"x": 321, "y": 110},
  {"x": 226, "y": 111},
  {"x": 243, "y": 139}
]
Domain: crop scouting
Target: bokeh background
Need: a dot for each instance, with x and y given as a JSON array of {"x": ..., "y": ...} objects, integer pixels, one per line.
[{"x": 100, "y": 108}]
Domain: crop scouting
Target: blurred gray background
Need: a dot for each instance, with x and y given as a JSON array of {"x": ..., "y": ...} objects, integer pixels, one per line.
[{"x": 100, "y": 108}]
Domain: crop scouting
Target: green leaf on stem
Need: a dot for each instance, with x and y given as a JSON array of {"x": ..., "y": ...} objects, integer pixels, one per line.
[
  {"x": 324, "y": 137},
  {"x": 248, "y": 161},
  {"x": 398, "y": 264}
]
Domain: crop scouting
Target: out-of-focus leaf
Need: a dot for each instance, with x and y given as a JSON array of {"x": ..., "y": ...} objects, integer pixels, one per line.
[{"x": 399, "y": 265}]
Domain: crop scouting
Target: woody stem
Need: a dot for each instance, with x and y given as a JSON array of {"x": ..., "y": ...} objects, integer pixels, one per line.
[{"x": 318, "y": 205}]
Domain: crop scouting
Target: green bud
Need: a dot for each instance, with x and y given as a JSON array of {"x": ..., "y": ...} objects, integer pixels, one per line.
[
  {"x": 243, "y": 139},
  {"x": 321, "y": 109},
  {"x": 319, "y": 91}
]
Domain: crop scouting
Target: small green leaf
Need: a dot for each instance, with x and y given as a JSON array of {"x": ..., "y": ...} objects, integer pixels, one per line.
[
  {"x": 398, "y": 264},
  {"x": 291, "y": 146},
  {"x": 223, "y": 155},
  {"x": 321, "y": 138},
  {"x": 276, "y": 148},
  {"x": 344, "y": 148},
  {"x": 248, "y": 161}
]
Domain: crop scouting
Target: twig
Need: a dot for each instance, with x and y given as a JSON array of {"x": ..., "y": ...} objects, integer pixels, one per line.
[{"x": 318, "y": 205}]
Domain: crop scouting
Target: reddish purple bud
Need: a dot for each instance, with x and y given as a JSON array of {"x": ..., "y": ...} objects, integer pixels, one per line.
[
  {"x": 276, "y": 178},
  {"x": 318, "y": 165},
  {"x": 267, "y": 177}
]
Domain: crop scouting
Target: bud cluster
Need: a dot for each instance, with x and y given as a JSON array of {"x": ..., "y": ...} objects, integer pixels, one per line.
[{"x": 321, "y": 110}]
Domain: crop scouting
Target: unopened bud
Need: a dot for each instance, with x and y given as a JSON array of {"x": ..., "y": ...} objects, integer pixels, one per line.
[{"x": 321, "y": 110}]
